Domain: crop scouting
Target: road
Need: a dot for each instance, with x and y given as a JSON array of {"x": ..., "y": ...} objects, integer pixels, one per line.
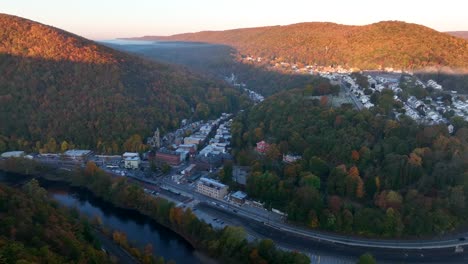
[
  {"x": 297, "y": 236},
  {"x": 346, "y": 90}
]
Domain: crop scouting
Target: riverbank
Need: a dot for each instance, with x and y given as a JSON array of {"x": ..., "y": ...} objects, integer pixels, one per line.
[
  {"x": 110, "y": 225},
  {"x": 228, "y": 245}
]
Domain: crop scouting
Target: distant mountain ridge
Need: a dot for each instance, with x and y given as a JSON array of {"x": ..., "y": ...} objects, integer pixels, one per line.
[
  {"x": 460, "y": 34},
  {"x": 56, "y": 87},
  {"x": 393, "y": 44}
]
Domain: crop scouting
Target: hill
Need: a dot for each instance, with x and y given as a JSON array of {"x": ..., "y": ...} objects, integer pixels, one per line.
[
  {"x": 34, "y": 230},
  {"x": 385, "y": 44},
  {"x": 217, "y": 61},
  {"x": 460, "y": 34},
  {"x": 358, "y": 171},
  {"x": 56, "y": 87}
]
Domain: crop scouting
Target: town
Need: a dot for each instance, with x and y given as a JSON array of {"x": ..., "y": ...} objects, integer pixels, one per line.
[
  {"x": 425, "y": 102},
  {"x": 182, "y": 166}
]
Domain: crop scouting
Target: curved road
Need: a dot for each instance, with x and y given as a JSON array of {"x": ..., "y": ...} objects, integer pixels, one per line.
[
  {"x": 447, "y": 244},
  {"x": 333, "y": 238}
]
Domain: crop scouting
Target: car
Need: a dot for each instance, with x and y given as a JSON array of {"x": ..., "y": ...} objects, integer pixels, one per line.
[
  {"x": 235, "y": 211},
  {"x": 461, "y": 239},
  {"x": 214, "y": 219}
]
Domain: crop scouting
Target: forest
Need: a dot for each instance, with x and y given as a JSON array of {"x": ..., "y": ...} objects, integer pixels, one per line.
[
  {"x": 384, "y": 44},
  {"x": 360, "y": 172},
  {"x": 33, "y": 229},
  {"x": 228, "y": 245},
  {"x": 60, "y": 90}
]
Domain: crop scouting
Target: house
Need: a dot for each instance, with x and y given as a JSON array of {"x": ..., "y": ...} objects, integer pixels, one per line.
[
  {"x": 212, "y": 149},
  {"x": 212, "y": 188},
  {"x": 132, "y": 162},
  {"x": 194, "y": 139},
  {"x": 262, "y": 147},
  {"x": 239, "y": 174},
  {"x": 289, "y": 158},
  {"x": 239, "y": 197},
  {"x": 191, "y": 148},
  {"x": 434, "y": 84}
]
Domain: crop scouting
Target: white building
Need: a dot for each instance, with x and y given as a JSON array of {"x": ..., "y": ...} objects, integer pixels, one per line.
[
  {"x": 132, "y": 162},
  {"x": 212, "y": 188},
  {"x": 434, "y": 84},
  {"x": 130, "y": 155}
]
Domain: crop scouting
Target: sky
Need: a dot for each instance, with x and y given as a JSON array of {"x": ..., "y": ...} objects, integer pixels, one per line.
[{"x": 108, "y": 19}]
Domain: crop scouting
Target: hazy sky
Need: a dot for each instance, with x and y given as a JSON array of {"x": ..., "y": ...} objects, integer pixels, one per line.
[{"x": 105, "y": 19}]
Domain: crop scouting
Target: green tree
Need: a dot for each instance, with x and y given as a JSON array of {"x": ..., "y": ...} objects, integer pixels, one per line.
[{"x": 366, "y": 258}]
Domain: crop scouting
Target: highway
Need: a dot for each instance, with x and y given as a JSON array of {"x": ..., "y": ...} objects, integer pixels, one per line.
[
  {"x": 333, "y": 238},
  {"x": 260, "y": 220}
]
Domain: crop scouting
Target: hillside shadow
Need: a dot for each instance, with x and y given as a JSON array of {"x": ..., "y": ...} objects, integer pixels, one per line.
[
  {"x": 217, "y": 61},
  {"x": 99, "y": 106}
]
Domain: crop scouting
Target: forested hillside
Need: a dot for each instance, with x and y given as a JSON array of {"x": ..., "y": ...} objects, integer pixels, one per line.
[
  {"x": 58, "y": 89},
  {"x": 360, "y": 171},
  {"x": 385, "y": 44},
  {"x": 219, "y": 61},
  {"x": 33, "y": 230}
]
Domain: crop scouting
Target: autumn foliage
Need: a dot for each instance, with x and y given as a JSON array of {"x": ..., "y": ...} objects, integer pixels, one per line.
[
  {"x": 359, "y": 172},
  {"x": 384, "y": 44},
  {"x": 59, "y": 91}
]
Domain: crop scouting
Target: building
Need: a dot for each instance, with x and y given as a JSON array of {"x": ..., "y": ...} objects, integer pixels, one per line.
[
  {"x": 183, "y": 154},
  {"x": 239, "y": 174},
  {"x": 289, "y": 158},
  {"x": 195, "y": 176},
  {"x": 212, "y": 188},
  {"x": 132, "y": 162},
  {"x": 191, "y": 148},
  {"x": 212, "y": 149},
  {"x": 130, "y": 155},
  {"x": 155, "y": 140},
  {"x": 77, "y": 154},
  {"x": 189, "y": 170},
  {"x": 239, "y": 197},
  {"x": 170, "y": 157},
  {"x": 194, "y": 140},
  {"x": 262, "y": 147},
  {"x": 13, "y": 154}
]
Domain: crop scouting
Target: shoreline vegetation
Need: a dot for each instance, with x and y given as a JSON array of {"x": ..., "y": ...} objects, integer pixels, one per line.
[
  {"x": 228, "y": 245},
  {"x": 34, "y": 229}
]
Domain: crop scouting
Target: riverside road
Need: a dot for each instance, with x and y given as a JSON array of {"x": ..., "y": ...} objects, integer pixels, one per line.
[{"x": 450, "y": 249}]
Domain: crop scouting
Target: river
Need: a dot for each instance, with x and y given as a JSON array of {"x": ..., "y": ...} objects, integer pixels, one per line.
[{"x": 140, "y": 230}]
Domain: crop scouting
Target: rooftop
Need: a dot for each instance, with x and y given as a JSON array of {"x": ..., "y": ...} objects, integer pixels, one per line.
[
  {"x": 132, "y": 158},
  {"x": 211, "y": 182},
  {"x": 239, "y": 195},
  {"x": 77, "y": 152}
]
